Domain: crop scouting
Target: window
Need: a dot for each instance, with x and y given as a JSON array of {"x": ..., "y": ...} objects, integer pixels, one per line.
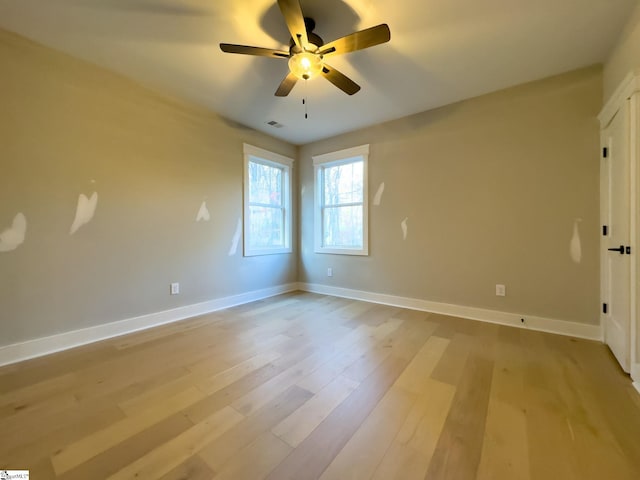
[
  {"x": 341, "y": 212},
  {"x": 267, "y": 202}
]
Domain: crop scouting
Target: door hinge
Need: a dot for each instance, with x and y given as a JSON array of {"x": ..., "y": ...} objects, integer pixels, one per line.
[
  {"x": 605, "y": 152},
  {"x": 605, "y": 230},
  {"x": 604, "y": 308}
]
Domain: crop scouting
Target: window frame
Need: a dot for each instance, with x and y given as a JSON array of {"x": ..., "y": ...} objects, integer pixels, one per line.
[
  {"x": 332, "y": 159},
  {"x": 265, "y": 157}
]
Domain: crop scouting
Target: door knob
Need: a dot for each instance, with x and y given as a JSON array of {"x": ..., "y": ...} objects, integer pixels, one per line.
[{"x": 620, "y": 249}]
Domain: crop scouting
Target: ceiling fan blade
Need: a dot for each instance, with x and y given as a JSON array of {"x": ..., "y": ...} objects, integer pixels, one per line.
[
  {"x": 358, "y": 41},
  {"x": 340, "y": 80},
  {"x": 293, "y": 17},
  {"x": 246, "y": 50},
  {"x": 286, "y": 85}
]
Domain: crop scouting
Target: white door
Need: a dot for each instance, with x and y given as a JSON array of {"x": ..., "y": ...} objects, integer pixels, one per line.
[{"x": 616, "y": 258}]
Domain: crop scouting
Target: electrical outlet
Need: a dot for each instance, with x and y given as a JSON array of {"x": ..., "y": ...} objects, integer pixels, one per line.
[
  {"x": 329, "y": 272},
  {"x": 501, "y": 290},
  {"x": 175, "y": 288}
]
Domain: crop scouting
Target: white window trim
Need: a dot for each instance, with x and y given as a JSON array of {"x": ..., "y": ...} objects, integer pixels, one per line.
[
  {"x": 337, "y": 158},
  {"x": 266, "y": 157}
]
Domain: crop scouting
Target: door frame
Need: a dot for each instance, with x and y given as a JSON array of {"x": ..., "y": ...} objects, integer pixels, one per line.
[
  {"x": 628, "y": 91},
  {"x": 615, "y": 155}
]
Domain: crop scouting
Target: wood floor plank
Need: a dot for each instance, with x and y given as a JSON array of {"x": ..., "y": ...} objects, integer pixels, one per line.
[
  {"x": 258, "y": 397},
  {"x": 353, "y": 348},
  {"x": 363, "y": 452},
  {"x": 353, "y": 309},
  {"x": 75, "y": 454},
  {"x": 157, "y": 393},
  {"x": 37, "y": 392},
  {"x": 236, "y": 390},
  {"x": 425, "y": 422},
  {"x": 215, "y": 360},
  {"x": 549, "y": 435},
  {"x": 375, "y": 316},
  {"x": 548, "y": 432},
  {"x": 147, "y": 386},
  {"x": 319, "y": 449},
  {"x": 171, "y": 348},
  {"x": 163, "y": 332},
  {"x": 361, "y": 455},
  {"x": 256, "y": 460},
  {"x": 33, "y": 415},
  {"x": 305, "y": 386},
  {"x": 402, "y": 462},
  {"x": 372, "y": 357},
  {"x": 210, "y": 376},
  {"x": 419, "y": 370},
  {"x": 218, "y": 452},
  {"x": 452, "y": 363},
  {"x": 403, "y": 342},
  {"x": 170, "y": 455},
  {"x": 505, "y": 446},
  {"x": 45, "y": 435},
  {"x": 457, "y": 454},
  {"x": 227, "y": 377},
  {"x": 261, "y": 310},
  {"x": 193, "y": 468},
  {"x": 129, "y": 450},
  {"x": 410, "y": 453},
  {"x": 585, "y": 420},
  {"x": 310, "y": 352},
  {"x": 297, "y": 426},
  {"x": 30, "y": 372},
  {"x": 41, "y": 469}
]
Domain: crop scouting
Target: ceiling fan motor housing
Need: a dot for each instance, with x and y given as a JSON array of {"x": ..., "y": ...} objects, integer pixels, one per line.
[{"x": 314, "y": 40}]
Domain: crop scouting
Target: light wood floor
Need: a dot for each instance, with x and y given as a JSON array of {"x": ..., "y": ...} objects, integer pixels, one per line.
[{"x": 305, "y": 386}]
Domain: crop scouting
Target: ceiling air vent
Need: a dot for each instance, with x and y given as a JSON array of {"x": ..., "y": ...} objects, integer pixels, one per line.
[{"x": 275, "y": 124}]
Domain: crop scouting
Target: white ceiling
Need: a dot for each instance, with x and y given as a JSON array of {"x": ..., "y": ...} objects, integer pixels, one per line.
[{"x": 441, "y": 51}]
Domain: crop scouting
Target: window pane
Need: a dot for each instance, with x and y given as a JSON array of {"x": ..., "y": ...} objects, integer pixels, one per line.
[
  {"x": 266, "y": 227},
  {"x": 343, "y": 183},
  {"x": 265, "y": 184},
  {"x": 342, "y": 227}
]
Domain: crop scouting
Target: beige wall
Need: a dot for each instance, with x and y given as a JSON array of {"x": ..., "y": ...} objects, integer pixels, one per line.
[
  {"x": 625, "y": 56},
  {"x": 65, "y": 124},
  {"x": 491, "y": 188}
]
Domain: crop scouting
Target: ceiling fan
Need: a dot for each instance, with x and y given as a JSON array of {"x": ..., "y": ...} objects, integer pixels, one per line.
[{"x": 307, "y": 51}]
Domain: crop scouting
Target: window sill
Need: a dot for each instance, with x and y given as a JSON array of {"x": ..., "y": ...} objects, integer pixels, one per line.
[
  {"x": 270, "y": 251},
  {"x": 343, "y": 251}
]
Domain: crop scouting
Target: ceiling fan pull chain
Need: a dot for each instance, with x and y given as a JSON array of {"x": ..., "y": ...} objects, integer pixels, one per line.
[{"x": 304, "y": 100}]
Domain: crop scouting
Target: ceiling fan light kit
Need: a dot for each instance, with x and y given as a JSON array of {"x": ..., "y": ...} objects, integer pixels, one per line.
[
  {"x": 307, "y": 50},
  {"x": 305, "y": 65}
]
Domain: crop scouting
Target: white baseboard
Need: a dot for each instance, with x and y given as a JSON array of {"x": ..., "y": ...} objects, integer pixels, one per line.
[
  {"x": 635, "y": 374},
  {"x": 18, "y": 352},
  {"x": 38, "y": 347},
  {"x": 561, "y": 327}
]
